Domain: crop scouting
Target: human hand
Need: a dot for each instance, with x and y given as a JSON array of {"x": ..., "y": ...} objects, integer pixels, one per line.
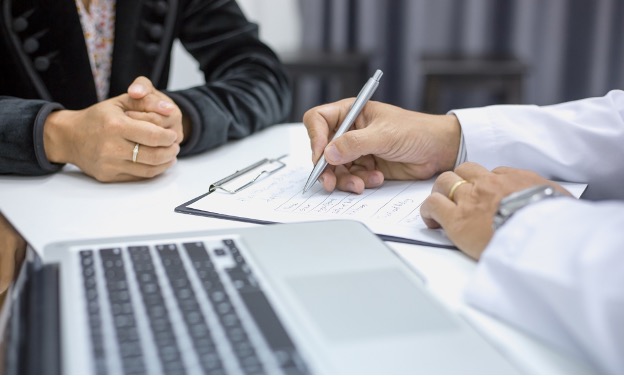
[
  {"x": 100, "y": 139},
  {"x": 12, "y": 252},
  {"x": 468, "y": 215},
  {"x": 167, "y": 113},
  {"x": 387, "y": 142}
]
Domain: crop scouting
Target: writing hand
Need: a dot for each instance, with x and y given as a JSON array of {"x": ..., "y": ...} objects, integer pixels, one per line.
[
  {"x": 387, "y": 142},
  {"x": 467, "y": 218}
]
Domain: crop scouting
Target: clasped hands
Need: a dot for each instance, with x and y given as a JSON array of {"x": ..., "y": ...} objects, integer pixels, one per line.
[
  {"x": 389, "y": 142},
  {"x": 100, "y": 139}
]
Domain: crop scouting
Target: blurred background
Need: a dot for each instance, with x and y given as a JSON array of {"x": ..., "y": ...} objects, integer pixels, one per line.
[{"x": 439, "y": 54}]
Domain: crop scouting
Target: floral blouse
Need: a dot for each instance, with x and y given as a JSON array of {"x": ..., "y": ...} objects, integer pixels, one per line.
[{"x": 98, "y": 26}]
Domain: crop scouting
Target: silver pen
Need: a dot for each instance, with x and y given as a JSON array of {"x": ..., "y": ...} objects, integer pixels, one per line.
[{"x": 365, "y": 94}]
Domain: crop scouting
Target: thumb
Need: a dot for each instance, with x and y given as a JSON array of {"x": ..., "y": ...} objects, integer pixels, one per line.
[
  {"x": 140, "y": 87},
  {"x": 352, "y": 145}
]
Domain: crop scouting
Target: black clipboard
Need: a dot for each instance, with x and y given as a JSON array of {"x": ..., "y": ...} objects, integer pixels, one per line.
[
  {"x": 235, "y": 183},
  {"x": 246, "y": 177}
]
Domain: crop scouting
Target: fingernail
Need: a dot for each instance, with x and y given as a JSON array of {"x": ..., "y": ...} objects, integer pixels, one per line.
[
  {"x": 165, "y": 105},
  {"x": 137, "y": 89},
  {"x": 332, "y": 153},
  {"x": 321, "y": 179}
]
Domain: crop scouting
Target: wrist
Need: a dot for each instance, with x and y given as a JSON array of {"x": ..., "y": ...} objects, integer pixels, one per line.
[
  {"x": 450, "y": 142},
  {"x": 57, "y": 136},
  {"x": 516, "y": 201}
]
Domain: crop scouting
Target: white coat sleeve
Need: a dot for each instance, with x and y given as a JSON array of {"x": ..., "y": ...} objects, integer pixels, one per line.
[
  {"x": 580, "y": 141},
  {"x": 556, "y": 270}
]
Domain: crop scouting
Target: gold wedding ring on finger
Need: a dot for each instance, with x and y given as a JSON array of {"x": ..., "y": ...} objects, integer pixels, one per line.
[
  {"x": 135, "y": 153},
  {"x": 451, "y": 194}
]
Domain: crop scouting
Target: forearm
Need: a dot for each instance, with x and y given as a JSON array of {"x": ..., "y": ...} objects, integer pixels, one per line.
[
  {"x": 576, "y": 141},
  {"x": 245, "y": 99},
  {"x": 246, "y": 86}
]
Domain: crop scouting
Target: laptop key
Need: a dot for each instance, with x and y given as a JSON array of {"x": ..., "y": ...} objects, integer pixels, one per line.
[
  {"x": 262, "y": 312},
  {"x": 130, "y": 350},
  {"x": 161, "y": 326},
  {"x": 93, "y": 310},
  {"x": 149, "y": 284},
  {"x": 221, "y": 302},
  {"x": 187, "y": 302}
]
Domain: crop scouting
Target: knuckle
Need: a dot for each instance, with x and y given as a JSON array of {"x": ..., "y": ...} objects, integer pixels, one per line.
[
  {"x": 153, "y": 136},
  {"x": 446, "y": 176},
  {"x": 115, "y": 123},
  {"x": 153, "y": 171},
  {"x": 103, "y": 176},
  {"x": 154, "y": 118},
  {"x": 146, "y": 156},
  {"x": 160, "y": 156},
  {"x": 309, "y": 116},
  {"x": 150, "y": 102},
  {"x": 463, "y": 167}
]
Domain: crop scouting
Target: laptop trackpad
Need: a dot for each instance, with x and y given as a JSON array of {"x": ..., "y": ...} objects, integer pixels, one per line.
[{"x": 369, "y": 304}]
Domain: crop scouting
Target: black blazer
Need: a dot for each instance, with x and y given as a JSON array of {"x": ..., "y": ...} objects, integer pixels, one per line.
[{"x": 44, "y": 66}]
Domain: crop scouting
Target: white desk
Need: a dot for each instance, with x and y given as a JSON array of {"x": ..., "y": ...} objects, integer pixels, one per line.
[{"x": 70, "y": 205}]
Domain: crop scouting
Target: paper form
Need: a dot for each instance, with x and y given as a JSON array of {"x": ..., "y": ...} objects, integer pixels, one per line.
[{"x": 392, "y": 210}]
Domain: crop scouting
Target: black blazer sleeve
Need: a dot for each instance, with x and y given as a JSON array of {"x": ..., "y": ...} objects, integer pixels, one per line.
[
  {"x": 246, "y": 87},
  {"x": 21, "y": 136}
]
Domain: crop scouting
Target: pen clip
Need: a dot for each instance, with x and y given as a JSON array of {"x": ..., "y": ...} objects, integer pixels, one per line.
[{"x": 269, "y": 167}]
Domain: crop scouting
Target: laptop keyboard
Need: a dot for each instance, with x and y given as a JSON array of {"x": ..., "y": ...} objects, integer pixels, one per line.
[{"x": 176, "y": 308}]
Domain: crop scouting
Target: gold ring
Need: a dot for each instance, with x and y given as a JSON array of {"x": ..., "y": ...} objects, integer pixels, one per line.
[
  {"x": 135, "y": 153},
  {"x": 451, "y": 194}
]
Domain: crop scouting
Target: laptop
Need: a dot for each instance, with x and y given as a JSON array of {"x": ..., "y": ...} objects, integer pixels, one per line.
[{"x": 301, "y": 298}]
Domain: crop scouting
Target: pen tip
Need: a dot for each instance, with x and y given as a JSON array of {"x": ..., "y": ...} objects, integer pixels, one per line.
[{"x": 309, "y": 183}]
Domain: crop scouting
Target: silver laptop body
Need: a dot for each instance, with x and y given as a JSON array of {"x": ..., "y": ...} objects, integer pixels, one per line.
[{"x": 319, "y": 297}]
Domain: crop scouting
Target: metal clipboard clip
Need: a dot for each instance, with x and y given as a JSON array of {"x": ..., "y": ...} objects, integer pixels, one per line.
[{"x": 242, "y": 179}]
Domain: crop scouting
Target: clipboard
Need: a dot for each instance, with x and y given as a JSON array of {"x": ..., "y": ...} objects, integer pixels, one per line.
[
  {"x": 254, "y": 173},
  {"x": 244, "y": 178},
  {"x": 235, "y": 183}
]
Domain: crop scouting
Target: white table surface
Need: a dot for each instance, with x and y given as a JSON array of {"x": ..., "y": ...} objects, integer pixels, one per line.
[{"x": 69, "y": 206}]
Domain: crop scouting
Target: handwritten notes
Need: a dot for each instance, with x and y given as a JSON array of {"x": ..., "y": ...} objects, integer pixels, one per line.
[{"x": 392, "y": 210}]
